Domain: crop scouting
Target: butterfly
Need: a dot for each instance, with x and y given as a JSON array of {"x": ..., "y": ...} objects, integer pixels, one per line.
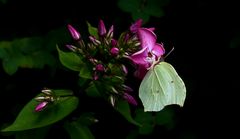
[{"x": 161, "y": 86}]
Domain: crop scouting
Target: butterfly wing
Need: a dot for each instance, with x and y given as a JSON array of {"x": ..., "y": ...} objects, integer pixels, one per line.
[{"x": 161, "y": 86}]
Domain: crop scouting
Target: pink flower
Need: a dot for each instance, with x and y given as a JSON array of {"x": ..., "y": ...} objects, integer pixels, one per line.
[
  {"x": 135, "y": 26},
  {"x": 150, "y": 51}
]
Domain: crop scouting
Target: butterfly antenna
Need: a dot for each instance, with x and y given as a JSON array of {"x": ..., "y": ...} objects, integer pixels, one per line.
[{"x": 169, "y": 52}]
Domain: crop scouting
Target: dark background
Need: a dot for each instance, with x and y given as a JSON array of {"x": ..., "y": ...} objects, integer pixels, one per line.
[{"x": 200, "y": 30}]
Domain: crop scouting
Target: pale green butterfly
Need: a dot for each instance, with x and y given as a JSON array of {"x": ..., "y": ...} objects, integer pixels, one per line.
[{"x": 161, "y": 86}]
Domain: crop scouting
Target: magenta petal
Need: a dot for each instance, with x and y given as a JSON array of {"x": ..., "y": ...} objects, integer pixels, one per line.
[
  {"x": 147, "y": 38},
  {"x": 151, "y": 29},
  {"x": 41, "y": 106},
  {"x": 135, "y": 26},
  {"x": 158, "y": 50},
  {"x": 140, "y": 72},
  {"x": 140, "y": 57}
]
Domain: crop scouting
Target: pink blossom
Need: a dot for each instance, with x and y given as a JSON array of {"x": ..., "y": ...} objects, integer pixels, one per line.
[{"x": 150, "y": 50}]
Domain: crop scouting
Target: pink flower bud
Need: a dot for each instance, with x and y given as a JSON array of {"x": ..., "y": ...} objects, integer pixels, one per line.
[
  {"x": 41, "y": 106},
  {"x": 94, "y": 40},
  {"x": 127, "y": 88},
  {"x": 110, "y": 32},
  {"x": 114, "y": 51},
  {"x": 71, "y": 47},
  {"x": 114, "y": 42},
  {"x": 130, "y": 99},
  {"x": 99, "y": 67},
  {"x": 75, "y": 34},
  {"x": 95, "y": 76},
  {"x": 101, "y": 28}
]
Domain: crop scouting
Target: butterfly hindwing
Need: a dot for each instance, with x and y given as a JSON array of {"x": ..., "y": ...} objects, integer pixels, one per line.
[{"x": 161, "y": 86}]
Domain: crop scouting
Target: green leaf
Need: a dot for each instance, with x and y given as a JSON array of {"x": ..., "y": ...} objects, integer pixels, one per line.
[
  {"x": 87, "y": 119},
  {"x": 85, "y": 73},
  {"x": 10, "y": 66},
  {"x": 70, "y": 60},
  {"x": 165, "y": 118},
  {"x": 155, "y": 7},
  {"x": 78, "y": 131},
  {"x": 29, "y": 119},
  {"x": 37, "y": 133},
  {"x": 146, "y": 120},
  {"x": 140, "y": 15},
  {"x": 92, "y": 90},
  {"x": 92, "y": 30},
  {"x": 146, "y": 129},
  {"x": 127, "y": 6},
  {"x": 154, "y": 11},
  {"x": 160, "y": 87},
  {"x": 123, "y": 108}
]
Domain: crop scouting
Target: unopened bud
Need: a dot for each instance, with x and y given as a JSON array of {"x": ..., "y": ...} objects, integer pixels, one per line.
[
  {"x": 94, "y": 40},
  {"x": 74, "y": 33},
  {"x": 110, "y": 32},
  {"x": 72, "y": 48},
  {"x": 130, "y": 99},
  {"x": 113, "y": 42},
  {"x": 47, "y": 91},
  {"x": 41, "y": 106},
  {"x": 112, "y": 100},
  {"x": 99, "y": 67},
  {"x": 124, "y": 69},
  {"x": 114, "y": 51},
  {"x": 101, "y": 28}
]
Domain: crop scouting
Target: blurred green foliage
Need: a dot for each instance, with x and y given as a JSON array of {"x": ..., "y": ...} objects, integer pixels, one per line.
[
  {"x": 143, "y": 9},
  {"x": 31, "y": 52},
  {"x": 3, "y": 1}
]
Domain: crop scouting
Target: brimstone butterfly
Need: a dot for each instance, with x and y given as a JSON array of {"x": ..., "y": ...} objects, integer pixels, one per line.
[{"x": 161, "y": 86}]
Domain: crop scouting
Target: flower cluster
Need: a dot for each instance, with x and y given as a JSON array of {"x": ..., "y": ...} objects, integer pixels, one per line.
[{"x": 105, "y": 57}]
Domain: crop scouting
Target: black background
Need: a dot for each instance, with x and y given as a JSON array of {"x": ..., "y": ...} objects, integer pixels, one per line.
[{"x": 200, "y": 31}]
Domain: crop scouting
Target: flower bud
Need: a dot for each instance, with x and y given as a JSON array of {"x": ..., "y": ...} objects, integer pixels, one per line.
[
  {"x": 74, "y": 33},
  {"x": 94, "y": 40},
  {"x": 130, "y": 99},
  {"x": 41, "y": 106},
  {"x": 95, "y": 76},
  {"x": 113, "y": 42},
  {"x": 99, "y": 67},
  {"x": 101, "y": 28},
  {"x": 110, "y": 32},
  {"x": 112, "y": 100},
  {"x": 72, "y": 48},
  {"x": 47, "y": 91},
  {"x": 124, "y": 69},
  {"x": 114, "y": 51}
]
